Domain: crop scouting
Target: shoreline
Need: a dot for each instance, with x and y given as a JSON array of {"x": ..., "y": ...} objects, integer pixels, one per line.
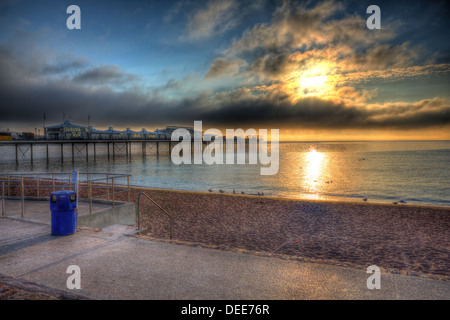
[{"x": 286, "y": 198}]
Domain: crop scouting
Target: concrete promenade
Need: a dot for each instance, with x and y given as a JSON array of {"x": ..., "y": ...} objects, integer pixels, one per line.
[{"x": 116, "y": 265}]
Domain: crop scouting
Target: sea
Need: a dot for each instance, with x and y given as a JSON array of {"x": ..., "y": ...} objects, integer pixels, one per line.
[{"x": 411, "y": 172}]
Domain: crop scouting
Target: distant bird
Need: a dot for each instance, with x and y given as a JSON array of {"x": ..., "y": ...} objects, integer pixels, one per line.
[
  {"x": 365, "y": 199},
  {"x": 234, "y": 191},
  {"x": 242, "y": 192},
  {"x": 402, "y": 201},
  {"x": 395, "y": 202},
  {"x": 210, "y": 190},
  {"x": 262, "y": 193},
  {"x": 221, "y": 191},
  {"x": 259, "y": 193},
  {"x": 327, "y": 181}
]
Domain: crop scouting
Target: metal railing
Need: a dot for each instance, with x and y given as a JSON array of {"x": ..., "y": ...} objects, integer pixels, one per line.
[
  {"x": 3, "y": 181},
  {"x": 162, "y": 209},
  {"x": 44, "y": 183}
]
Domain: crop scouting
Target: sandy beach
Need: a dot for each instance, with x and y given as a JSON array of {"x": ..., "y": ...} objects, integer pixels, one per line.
[{"x": 403, "y": 239}]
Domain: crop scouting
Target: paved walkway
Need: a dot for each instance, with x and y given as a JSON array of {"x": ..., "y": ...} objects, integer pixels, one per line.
[{"x": 115, "y": 265}]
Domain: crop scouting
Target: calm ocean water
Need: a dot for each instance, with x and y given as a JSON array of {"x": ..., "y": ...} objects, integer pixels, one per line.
[{"x": 416, "y": 172}]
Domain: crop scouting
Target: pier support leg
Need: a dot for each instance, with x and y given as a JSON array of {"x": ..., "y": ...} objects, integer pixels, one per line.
[
  {"x": 17, "y": 158},
  {"x": 130, "y": 153},
  {"x": 73, "y": 152},
  {"x": 62, "y": 153}
]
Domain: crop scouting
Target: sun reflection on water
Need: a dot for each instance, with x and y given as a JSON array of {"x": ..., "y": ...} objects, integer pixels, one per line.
[{"x": 315, "y": 164}]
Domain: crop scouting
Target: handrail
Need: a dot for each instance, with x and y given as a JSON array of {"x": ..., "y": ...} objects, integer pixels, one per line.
[
  {"x": 3, "y": 195},
  {"x": 154, "y": 202},
  {"x": 92, "y": 181}
]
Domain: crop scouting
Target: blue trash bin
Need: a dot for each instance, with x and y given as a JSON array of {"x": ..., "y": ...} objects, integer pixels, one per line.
[{"x": 63, "y": 206}]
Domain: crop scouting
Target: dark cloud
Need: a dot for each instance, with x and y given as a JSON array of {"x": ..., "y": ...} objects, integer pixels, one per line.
[
  {"x": 105, "y": 74},
  {"x": 65, "y": 65},
  {"x": 271, "y": 65},
  {"x": 278, "y": 111}
]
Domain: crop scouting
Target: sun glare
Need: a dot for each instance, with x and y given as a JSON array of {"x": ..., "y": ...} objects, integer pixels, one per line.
[
  {"x": 314, "y": 81},
  {"x": 313, "y": 84}
]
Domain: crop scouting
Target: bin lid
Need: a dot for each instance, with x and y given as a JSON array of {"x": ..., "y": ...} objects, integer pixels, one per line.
[{"x": 62, "y": 192}]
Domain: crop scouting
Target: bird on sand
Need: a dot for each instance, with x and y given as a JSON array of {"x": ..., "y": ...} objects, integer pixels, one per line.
[
  {"x": 365, "y": 199},
  {"x": 210, "y": 190}
]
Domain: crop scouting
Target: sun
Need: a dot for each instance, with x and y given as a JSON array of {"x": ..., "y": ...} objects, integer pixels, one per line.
[
  {"x": 314, "y": 81},
  {"x": 313, "y": 84}
]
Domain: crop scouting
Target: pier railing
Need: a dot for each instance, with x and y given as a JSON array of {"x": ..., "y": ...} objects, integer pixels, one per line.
[{"x": 39, "y": 185}]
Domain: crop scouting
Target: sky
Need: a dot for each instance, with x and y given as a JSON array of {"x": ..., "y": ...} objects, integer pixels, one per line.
[{"x": 311, "y": 69}]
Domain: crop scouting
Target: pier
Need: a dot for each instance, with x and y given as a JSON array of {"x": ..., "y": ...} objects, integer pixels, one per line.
[{"x": 114, "y": 148}]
